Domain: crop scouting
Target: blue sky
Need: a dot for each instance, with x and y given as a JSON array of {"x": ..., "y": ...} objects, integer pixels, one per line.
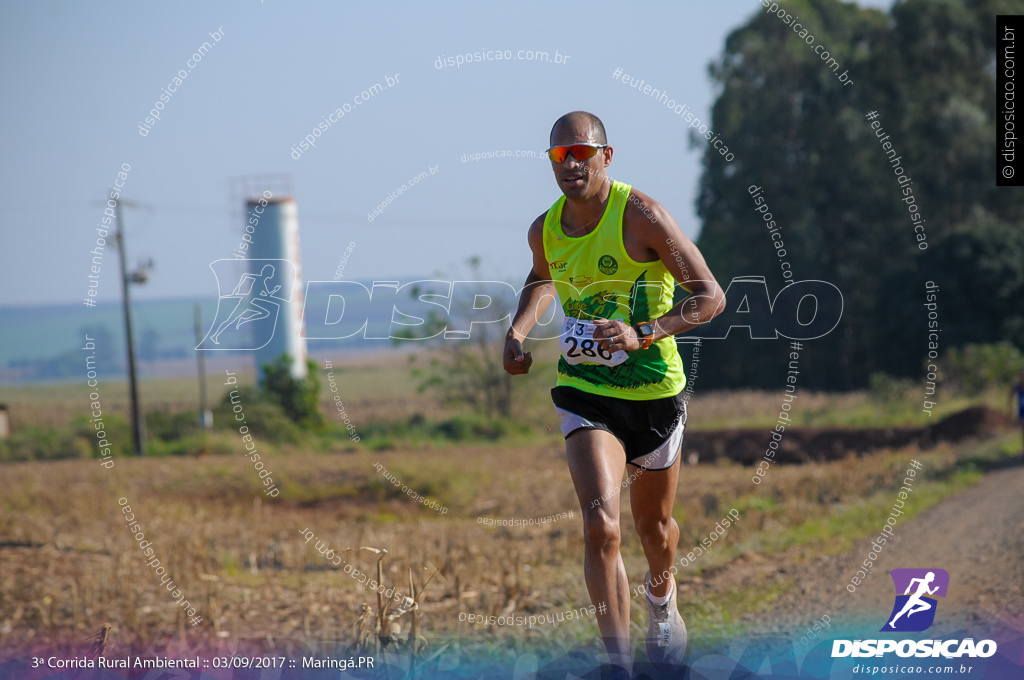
[{"x": 79, "y": 78}]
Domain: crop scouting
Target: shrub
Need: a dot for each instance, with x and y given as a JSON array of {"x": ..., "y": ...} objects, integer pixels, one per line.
[
  {"x": 973, "y": 368},
  {"x": 299, "y": 399},
  {"x": 265, "y": 419}
]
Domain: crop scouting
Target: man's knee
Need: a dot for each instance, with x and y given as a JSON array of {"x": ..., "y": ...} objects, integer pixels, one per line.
[
  {"x": 654, "y": 532},
  {"x": 600, "y": 530}
]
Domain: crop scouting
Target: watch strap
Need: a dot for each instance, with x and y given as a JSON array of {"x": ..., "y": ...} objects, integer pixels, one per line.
[{"x": 646, "y": 339}]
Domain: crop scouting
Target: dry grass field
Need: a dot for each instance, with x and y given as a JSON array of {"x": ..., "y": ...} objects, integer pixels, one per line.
[{"x": 69, "y": 566}]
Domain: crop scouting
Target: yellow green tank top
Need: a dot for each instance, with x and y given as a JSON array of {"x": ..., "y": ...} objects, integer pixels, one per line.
[{"x": 596, "y": 278}]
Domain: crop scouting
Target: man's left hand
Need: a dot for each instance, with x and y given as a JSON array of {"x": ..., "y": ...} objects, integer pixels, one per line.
[{"x": 614, "y": 335}]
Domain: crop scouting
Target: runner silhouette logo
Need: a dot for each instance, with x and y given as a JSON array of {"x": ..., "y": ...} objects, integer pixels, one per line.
[
  {"x": 249, "y": 302},
  {"x": 916, "y": 590}
]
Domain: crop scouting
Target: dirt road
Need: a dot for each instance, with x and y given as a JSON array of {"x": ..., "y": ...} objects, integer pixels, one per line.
[{"x": 977, "y": 536}]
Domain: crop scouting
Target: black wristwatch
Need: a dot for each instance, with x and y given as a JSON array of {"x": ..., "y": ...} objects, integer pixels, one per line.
[{"x": 645, "y": 334}]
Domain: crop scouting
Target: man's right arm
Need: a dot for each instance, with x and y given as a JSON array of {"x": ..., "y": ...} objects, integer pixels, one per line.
[{"x": 537, "y": 294}]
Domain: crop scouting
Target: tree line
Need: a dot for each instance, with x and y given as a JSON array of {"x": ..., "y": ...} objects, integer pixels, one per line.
[{"x": 878, "y": 187}]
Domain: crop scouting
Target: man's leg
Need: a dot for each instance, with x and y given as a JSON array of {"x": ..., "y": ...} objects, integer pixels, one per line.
[
  {"x": 596, "y": 463},
  {"x": 651, "y": 496}
]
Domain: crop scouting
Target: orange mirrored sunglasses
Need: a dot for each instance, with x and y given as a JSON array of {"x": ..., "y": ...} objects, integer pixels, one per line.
[{"x": 580, "y": 152}]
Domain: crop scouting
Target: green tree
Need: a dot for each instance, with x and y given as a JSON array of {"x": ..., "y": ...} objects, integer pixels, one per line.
[{"x": 801, "y": 135}]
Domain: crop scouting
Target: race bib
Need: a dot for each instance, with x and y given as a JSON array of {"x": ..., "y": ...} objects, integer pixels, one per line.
[{"x": 579, "y": 347}]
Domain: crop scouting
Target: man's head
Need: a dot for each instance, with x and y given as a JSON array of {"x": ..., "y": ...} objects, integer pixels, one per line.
[{"x": 581, "y": 178}]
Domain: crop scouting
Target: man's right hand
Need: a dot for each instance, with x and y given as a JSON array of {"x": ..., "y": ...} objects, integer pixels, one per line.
[{"x": 514, "y": 359}]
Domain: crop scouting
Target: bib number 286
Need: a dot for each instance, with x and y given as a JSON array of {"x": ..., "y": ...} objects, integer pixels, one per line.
[{"x": 579, "y": 347}]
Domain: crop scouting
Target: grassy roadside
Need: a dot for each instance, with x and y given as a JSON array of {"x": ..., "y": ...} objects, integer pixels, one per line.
[{"x": 946, "y": 472}]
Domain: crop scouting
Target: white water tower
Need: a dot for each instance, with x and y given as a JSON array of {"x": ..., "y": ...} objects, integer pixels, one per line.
[{"x": 271, "y": 212}]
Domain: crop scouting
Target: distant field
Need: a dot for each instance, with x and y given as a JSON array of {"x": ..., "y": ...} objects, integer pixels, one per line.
[
  {"x": 382, "y": 377},
  {"x": 383, "y": 388}
]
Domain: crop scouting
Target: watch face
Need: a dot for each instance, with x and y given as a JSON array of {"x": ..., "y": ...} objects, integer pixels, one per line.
[{"x": 645, "y": 329}]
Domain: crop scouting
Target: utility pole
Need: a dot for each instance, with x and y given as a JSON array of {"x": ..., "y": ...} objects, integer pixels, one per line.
[
  {"x": 205, "y": 414},
  {"x": 138, "y": 424}
]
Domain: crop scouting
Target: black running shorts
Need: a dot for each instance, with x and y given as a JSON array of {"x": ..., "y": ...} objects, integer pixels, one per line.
[{"x": 651, "y": 431}]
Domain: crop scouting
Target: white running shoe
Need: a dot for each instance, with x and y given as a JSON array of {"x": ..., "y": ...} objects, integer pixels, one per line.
[{"x": 666, "y": 632}]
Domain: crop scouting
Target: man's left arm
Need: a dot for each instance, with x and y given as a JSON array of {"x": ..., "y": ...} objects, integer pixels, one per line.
[
  {"x": 652, "y": 225},
  {"x": 686, "y": 264}
]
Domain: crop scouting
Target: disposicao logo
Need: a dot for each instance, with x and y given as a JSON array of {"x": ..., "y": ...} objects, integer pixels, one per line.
[
  {"x": 247, "y": 317},
  {"x": 914, "y": 611}
]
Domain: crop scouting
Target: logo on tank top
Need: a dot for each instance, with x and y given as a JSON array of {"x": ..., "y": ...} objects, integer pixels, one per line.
[
  {"x": 558, "y": 265},
  {"x": 581, "y": 280},
  {"x": 607, "y": 265}
]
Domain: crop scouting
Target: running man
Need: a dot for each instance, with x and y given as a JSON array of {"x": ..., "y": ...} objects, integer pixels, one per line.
[
  {"x": 612, "y": 255},
  {"x": 915, "y": 604}
]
